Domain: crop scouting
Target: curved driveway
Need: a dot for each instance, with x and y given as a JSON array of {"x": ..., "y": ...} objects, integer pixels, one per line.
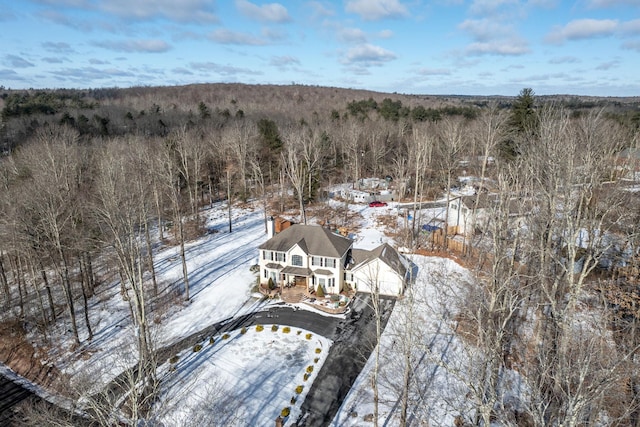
[{"x": 353, "y": 341}]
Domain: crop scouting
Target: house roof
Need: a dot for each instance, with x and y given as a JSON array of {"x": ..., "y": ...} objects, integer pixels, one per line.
[
  {"x": 298, "y": 271},
  {"x": 384, "y": 253},
  {"x": 630, "y": 153},
  {"x": 516, "y": 206},
  {"x": 312, "y": 239}
]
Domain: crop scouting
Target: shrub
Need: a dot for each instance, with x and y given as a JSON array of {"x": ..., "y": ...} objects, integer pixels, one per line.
[
  {"x": 299, "y": 389},
  {"x": 197, "y": 348},
  {"x": 316, "y": 360},
  {"x": 299, "y": 332},
  {"x": 243, "y": 330},
  {"x": 308, "y": 336},
  {"x": 259, "y": 328},
  {"x": 225, "y": 337},
  {"x": 212, "y": 340},
  {"x": 293, "y": 400},
  {"x": 271, "y": 284},
  {"x": 310, "y": 369},
  {"x": 274, "y": 328},
  {"x": 306, "y": 376},
  {"x": 318, "y": 350},
  {"x": 286, "y": 329},
  {"x": 174, "y": 359},
  {"x": 285, "y": 412},
  {"x": 320, "y": 292}
]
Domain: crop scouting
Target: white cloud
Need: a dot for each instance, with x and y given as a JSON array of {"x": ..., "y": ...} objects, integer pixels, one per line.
[
  {"x": 321, "y": 9},
  {"x": 485, "y": 7},
  {"x": 564, "y": 60},
  {"x": 631, "y": 27},
  {"x": 433, "y": 72},
  {"x": 224, "y": 36},
  {"x": 59, "y": 47},
  {"x": 632, "y": 45},
  {"x": 369, "y": 55},
  {"x": 224, "y": 70},
  {"x": 17, "y": 61},
  {"x": 272, "y": 12},
  {"x": 283, "y": 62},
  {"x": 174, "y": 10},
  {"x": 498, "y": 47},
  {"x": 385, "y": 34},
  {"x": 484, "y": 30},
  {"x": 605, "y": 4},
  {"x": 150, "y": 46},
  {"x": 582, "y": 29},
  {"x": 352, "y": 35},
  {"x": 178, "y": 10},
  {"x": 608, "y": 65},
  {"x": 373, "y": 10}
]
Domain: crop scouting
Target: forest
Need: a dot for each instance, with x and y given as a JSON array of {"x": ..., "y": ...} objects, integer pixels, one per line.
[{"x": 93, "y": 180}]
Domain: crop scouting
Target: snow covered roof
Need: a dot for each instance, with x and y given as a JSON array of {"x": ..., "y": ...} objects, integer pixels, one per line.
[{"x": 312, "y": 239}]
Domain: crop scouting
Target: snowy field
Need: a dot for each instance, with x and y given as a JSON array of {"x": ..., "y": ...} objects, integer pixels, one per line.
[
  {"x": 243, "y": 379},
  {"x": 427, "y": 313}
]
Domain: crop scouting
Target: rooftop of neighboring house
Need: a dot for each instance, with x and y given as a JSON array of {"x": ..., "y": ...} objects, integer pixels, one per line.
[
  {"x": 517, "y": 205},
  {"x": 313, "y": 239}
]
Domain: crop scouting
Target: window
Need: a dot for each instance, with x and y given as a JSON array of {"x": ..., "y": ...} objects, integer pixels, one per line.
[
  {"x": 330, "y": 262},
  {"x": 296, "y": 260},
  {"x": 280, "y": 257},
  {"x": 265, "y": 273},
  {"x": 317, "y": 261},
  {"x": 264, "y": 254}
]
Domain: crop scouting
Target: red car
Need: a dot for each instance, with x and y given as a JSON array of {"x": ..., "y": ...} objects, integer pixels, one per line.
[{"x": 377, "y": 204}]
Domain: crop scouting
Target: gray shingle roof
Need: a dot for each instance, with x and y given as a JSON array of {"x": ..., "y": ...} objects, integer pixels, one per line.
[
  {"x": 385, "y": 253},
  {"x": 313, "y": 239}
]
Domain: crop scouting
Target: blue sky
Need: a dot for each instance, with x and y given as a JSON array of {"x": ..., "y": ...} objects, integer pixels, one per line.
[{"x": 480, "y": 47}]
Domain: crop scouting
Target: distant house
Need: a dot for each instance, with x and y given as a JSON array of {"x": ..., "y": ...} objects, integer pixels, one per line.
[
  {"x": 628, "y": 160},
  {"x": 472, "y": 214},
  {"x": 312, "y": 256},
  {"x": 383, "y": 269}
]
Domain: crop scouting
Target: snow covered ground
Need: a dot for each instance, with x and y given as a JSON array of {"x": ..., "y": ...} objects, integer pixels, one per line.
[
  {"x": 437, "y": 395},
  {"x": 243, "y": 379},
  {"x": 247, "y": 379}
]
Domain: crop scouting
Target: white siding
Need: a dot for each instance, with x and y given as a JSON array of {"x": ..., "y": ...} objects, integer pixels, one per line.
[{"x": 389, "y": 282}]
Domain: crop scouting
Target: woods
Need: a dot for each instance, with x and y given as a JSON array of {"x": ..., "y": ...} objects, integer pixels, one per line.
[{"x": 85, "y": 202}]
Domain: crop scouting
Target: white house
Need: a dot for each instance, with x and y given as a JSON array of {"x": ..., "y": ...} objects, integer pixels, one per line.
[
  {"x": 383, "y": 269},
  {"x": 305, "y": 255},
  {"x": 471, "y": 214},
  {"x": 313, "y": 256}
]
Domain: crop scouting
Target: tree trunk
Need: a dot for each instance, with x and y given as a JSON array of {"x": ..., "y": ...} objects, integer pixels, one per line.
[
  {"x": 185, "y": 274},
  {"x": 85, "y": 299},
  {"x": 4, "y": 282},
  {"x": 150, "y": 265},
  {"x": 47, "y": 288}
]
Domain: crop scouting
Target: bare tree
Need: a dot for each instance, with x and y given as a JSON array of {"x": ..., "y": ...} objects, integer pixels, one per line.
[{"x": 121, "y": 214}]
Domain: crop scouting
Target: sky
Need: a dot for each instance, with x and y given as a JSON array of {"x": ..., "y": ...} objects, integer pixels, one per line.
[{"x": 478, "y": 47}]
